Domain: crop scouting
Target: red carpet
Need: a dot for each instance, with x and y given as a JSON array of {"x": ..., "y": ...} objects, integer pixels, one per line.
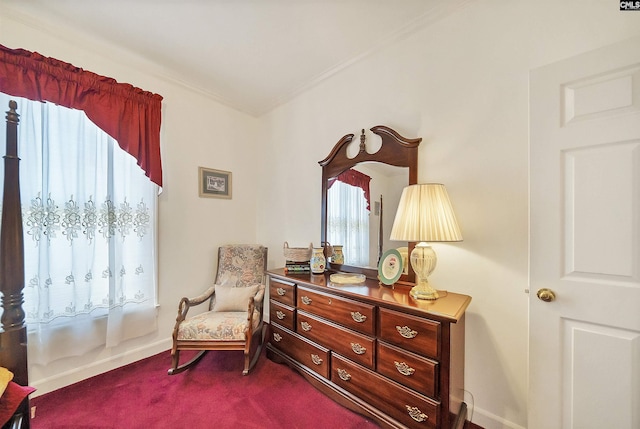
[{"x": 213, "y": 394}]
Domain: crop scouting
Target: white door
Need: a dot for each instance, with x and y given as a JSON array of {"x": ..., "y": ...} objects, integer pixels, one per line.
[{"x": 584, "y": 345}]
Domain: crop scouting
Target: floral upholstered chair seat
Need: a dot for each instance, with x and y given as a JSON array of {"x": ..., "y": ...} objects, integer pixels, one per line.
[
  {"x": 221, "y": 326},
  {"x": 234, "y": 320}
]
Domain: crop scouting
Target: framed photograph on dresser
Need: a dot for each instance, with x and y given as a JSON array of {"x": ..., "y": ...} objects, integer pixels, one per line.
[{"x": 214, "y": 183}]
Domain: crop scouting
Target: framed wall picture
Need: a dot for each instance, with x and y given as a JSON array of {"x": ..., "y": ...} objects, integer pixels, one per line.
[{"x": 214, "y": 183}]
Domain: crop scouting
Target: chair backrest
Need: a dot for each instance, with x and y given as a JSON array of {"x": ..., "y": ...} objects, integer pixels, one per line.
[{"x": 241, "y": 265}]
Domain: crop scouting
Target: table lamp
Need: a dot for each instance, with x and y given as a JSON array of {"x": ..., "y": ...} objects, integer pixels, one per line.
[{"x": 425, "y": 215}]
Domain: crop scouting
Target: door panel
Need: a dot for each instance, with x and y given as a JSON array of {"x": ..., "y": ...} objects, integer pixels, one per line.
[
  {"x": 601, "y": 197},
  {"x": 597, "y": 355}
]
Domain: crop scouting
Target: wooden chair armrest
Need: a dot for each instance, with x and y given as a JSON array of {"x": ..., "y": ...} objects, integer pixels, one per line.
[
  {"x": 256, "y": 302},
  {"x": 187, "y": 303},
  {"x": 259, "y": 296}
]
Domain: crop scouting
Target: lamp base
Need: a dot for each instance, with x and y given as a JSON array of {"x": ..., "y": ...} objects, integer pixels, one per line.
[
  {"x": 423, "y": 293},
  {"x": 423, "y": 261},
  {"x": 417, "y": 293}
]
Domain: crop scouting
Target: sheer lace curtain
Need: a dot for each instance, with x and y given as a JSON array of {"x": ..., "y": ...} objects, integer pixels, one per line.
[
  {"x": 89, "y": 218},
  {"x": 348, "y": 222}
]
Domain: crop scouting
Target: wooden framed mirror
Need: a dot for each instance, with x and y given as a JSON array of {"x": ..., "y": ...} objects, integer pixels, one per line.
[{"x": 396, "y": 155}]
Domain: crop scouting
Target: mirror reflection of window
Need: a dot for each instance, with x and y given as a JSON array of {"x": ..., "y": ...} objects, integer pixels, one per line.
[{"x": 348, "y": 216}]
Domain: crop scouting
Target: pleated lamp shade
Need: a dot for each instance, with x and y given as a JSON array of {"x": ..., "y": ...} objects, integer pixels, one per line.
[{"x": 425, "y": 214}]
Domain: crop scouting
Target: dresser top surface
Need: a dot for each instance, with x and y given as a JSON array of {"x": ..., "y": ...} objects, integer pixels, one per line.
[{"x": 450, "y": 307}]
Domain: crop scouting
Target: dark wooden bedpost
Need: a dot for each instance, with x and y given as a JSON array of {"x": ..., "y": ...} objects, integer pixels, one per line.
[{"x": 13, "y": 338}]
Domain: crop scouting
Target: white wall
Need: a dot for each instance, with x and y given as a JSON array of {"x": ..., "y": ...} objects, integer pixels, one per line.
[
  {"x": 461, "y": 85},
  {"x": 196, "y": 131}
]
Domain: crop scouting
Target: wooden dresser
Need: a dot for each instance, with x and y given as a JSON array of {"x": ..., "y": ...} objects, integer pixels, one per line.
[{"x": 372, "y": 348}]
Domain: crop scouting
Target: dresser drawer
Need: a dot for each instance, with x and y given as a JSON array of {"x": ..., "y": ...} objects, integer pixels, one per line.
[
  {"x": 282, "y": 314},
  {"x": 413, "y": 333},
  {"x": 352, "y": 314},
  {"x": 311, "y": 355},
  {"x": 282, "y": 291},
  {"x": 399, "y": 402},
  {"x": 410, "y": 369},
  {"x": 357, "y": 347}
]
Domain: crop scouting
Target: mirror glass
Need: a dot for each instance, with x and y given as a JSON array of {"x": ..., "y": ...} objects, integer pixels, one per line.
[{"x": 364, "y": 233}]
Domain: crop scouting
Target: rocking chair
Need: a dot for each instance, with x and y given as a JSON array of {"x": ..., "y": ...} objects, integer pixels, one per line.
[{"x": 234, "y": 320}]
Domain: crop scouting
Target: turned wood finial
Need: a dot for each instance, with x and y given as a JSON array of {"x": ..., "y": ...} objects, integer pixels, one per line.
[
  {"x": 12, "y": 115},
  {"x": 362, "y": 139},
  {"x": 12, "y": 130}
]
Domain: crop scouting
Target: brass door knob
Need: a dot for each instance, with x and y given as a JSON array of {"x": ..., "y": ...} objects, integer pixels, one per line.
[{"x": 546, "y": 295}]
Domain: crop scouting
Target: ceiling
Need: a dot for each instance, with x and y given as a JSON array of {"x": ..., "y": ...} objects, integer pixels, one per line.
[{"x": 252, "y": 55}]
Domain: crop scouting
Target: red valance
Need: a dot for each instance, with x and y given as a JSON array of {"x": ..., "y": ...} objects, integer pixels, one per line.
[
  {"x": 357, "y": 179},
  {"x": 128, "y": 114}
]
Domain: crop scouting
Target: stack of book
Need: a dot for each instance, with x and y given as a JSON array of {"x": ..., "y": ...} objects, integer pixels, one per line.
[{"x": 295, "y": 267}]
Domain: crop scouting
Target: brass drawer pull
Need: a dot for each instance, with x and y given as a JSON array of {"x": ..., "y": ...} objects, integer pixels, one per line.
[
  {"x": 305, "y": 326},
  {"x": 306, "y": 300},
  {"x": 316, "y": 359},
  {"x": 406, "y": 332},
  {"x": 358, "y": 317},
  {"x": 280, "y": 315},
  {"x": 416, "y": 414},
  {"x": 343, "y": 374},
  {"x": 281, "y": 291},
  {"x": 277, "y": 337},
  {"x": 403, "y": 368},
  {"x": 358, "y": 349}
]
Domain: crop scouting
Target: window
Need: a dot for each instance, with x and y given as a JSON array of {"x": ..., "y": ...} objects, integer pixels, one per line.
[{"x": 89, "y": 217}]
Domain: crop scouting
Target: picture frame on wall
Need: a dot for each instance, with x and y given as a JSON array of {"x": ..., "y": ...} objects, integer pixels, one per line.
[{"x": 214, "y": 183}]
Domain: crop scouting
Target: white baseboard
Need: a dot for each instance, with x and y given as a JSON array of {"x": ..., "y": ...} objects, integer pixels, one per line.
[
  {"x": 487, "y": 420},
  {"x": 49, "y": 384}
]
